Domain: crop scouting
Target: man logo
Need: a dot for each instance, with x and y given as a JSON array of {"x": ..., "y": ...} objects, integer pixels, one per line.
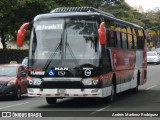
[
  {"x": 61, "y": 68},
  {"x": 61, "y": 73}
]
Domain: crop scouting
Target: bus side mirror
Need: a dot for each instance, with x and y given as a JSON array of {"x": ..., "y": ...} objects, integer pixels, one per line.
[
  {"x": 21, "y": 34},
  {"x": 102, "y": 33}
]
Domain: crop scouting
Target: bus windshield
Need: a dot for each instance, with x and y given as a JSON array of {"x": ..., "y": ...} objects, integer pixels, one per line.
[{"x": 65, "y": 39}]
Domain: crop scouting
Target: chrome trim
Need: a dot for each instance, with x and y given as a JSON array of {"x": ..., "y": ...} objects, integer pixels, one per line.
[{"x": 62, "y": 79}]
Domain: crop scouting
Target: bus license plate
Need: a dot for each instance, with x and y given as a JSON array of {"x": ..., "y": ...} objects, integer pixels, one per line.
[{"x": 61, "y": 91}]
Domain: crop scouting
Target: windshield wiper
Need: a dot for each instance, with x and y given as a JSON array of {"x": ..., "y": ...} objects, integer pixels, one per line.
[
  {"x": 71, "y": 52},
  {"x": 53, "y": 54}
]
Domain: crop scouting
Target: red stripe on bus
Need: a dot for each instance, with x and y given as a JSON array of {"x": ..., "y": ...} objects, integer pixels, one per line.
[
  {"x": 48, "y": 94},
  {"x": 57, "y": 94},
  {"x": 66, "y": 94},
  {"x": 75, "y": 94},
  {"x": 85, "y": 94}
]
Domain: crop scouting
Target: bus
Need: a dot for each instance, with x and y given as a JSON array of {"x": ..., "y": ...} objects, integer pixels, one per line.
[{"x": 83, "y": 52}]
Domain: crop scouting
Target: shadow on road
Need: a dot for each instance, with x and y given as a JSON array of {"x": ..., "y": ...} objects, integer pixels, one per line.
[
  {"x": 80, "y": 103},
  {"x": 77, "y": 103}
]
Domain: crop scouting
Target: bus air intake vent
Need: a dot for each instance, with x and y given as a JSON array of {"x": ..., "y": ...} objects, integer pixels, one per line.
[{"x": 79, "y": 9}]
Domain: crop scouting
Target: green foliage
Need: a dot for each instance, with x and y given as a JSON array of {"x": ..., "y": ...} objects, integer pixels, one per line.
[{"x": 14, "y": 13}]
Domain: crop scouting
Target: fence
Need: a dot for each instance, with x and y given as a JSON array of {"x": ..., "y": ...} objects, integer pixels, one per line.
[{"x": 12, "y": 55}]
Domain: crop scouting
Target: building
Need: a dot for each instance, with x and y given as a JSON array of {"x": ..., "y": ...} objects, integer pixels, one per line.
[{"x": 139, "y": 8}]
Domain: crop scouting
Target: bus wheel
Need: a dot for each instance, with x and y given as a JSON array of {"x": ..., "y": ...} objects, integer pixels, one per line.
[
  {"x": 51, "y": 100},
  {"x": 113, "y": 93},
  {"x": 135, "y": 90}
]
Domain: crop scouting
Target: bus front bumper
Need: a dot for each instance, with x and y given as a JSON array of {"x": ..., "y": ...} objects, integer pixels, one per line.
[{"x": 68, "y": 92}]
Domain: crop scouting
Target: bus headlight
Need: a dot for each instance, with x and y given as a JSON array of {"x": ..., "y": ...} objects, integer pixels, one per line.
[
  {"x": 95, "y": 82},
  {"x": 90, "y": 81},
  {"x": 34, "y": 81}
]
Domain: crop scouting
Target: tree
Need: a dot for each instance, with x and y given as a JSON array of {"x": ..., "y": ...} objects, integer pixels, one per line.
[
  {"x": 152, "y": 18},
  {"x": 6, "y": 17},
  {"x": 15, "y": 12},
  {"x": 122, "y": 10}
]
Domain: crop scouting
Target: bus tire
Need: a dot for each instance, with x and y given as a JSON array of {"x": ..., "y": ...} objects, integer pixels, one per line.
[
  {"x": 134, "y": 90},
  {"x": 157, "y": 63},
  {"x": 51, "y": 100},
  {"x": 112, "y": 97}
]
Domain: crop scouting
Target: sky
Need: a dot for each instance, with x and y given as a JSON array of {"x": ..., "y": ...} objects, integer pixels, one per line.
[{"x": 146, "y": 4}]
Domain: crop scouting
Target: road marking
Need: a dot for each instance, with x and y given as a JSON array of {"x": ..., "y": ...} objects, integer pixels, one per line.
[
  {"x": 151, "y": 87},
  {"x": 13, "y": 105},
  {"x": 99, "y": 110}
]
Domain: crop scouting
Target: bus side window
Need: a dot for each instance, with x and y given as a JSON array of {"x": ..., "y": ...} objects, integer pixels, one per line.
[
  {"x": 141, "y": 39},
  {"x": 111, "y": 39},
  {"x": 124, "y": 40},
  {"x": 130, "y": 42},
  {"x": 135, "y": 42},
  {"x": 134, "y": 39},
  {"x": 118, "y": 38},
  {"x": 139, "y": 42},
  {"x": 130, "y": 38}
]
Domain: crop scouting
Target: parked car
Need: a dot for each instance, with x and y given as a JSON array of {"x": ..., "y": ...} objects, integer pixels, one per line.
[
  {"x": 153, "y": 57},
  {"x": 13, "y": 80},
  {"x": 158, "y": 50}
]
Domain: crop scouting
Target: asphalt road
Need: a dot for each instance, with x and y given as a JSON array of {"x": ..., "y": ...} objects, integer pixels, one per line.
[{"x": 147, "y": 99}]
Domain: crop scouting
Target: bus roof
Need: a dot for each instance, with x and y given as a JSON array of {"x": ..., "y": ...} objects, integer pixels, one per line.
[
  {"x": 85, "y": 11},
  {"x": 93, "y": 10},
  {"x": 80, "y": 9}
]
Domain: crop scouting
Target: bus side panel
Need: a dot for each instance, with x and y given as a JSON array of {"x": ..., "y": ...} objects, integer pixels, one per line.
[
  {"x": 106, "y": 80},
  {"x": 123, "y": 63}
]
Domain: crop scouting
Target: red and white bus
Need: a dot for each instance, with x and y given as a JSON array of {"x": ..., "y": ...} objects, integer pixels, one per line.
[{"x": 83, "y": 52}]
